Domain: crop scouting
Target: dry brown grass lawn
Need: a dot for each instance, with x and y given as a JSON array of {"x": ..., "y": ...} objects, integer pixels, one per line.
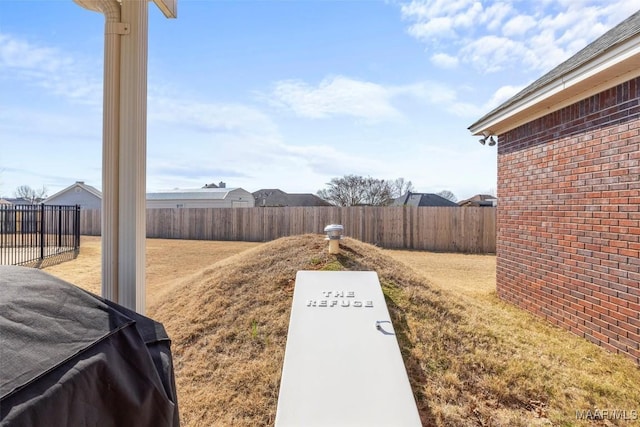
[
  {"x": 168, "y": 262},
  {"x": 472, "y": 360}
]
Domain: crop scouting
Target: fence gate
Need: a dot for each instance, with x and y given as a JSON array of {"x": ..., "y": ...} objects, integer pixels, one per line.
[{"x": 30, "y": 234}]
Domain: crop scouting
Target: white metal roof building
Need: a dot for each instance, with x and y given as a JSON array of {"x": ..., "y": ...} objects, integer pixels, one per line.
[{"x": 201, "y": 198}]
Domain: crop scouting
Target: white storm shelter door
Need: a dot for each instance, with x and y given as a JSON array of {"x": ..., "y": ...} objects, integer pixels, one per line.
[{"x": 342, "y": 364}]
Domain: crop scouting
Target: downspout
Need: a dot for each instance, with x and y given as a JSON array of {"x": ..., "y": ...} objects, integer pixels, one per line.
[{"x": 114, "y": 28}]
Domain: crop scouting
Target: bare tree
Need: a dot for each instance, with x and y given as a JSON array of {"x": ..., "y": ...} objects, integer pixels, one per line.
[
  {"x": 400, "y": 186},
  {"x": 448, "y": 195},
  {"x": 378, "y": 192},
  {"x": 345, "y": 191},
  {"x": 32, "y": 195},
  {"x": 353, "y": 190}
]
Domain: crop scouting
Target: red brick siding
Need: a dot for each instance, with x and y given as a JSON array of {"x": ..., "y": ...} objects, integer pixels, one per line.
[{"x": 569, "y": 218}]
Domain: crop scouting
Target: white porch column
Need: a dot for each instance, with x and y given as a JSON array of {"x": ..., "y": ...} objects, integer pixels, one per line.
[
  {"x": 133, "y": 156},
  {"x": 124, "y": 147}
]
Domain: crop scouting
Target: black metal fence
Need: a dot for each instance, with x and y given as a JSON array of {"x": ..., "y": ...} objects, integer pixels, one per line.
[{"x": 29, "y": 234}]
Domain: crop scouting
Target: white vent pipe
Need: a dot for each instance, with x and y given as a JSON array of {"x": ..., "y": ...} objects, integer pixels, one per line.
[{"x": 334, "y": 235}]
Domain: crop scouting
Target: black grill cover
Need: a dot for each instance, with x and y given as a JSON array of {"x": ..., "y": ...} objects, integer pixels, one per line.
[{"x": 70, "y": 358}]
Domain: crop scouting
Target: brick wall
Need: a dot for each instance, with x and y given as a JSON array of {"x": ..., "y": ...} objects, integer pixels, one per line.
[{"x": 569, "y": 218}]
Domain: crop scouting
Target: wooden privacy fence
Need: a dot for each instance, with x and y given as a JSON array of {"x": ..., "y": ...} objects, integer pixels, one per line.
[{"x": 446, "y": 229}]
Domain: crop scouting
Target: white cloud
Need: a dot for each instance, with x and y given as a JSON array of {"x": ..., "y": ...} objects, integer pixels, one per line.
[
  {"x": 426, "y": 9},
  {"x": 518, "y": 25},
  {"x": 452, "y": 99},
  {"x": 494, "y": 16},
  {"x": 469, "y": 16},
  {"x": 371, "y": 101},
  {"x": 327, "y": 160},
  {"x": 444, "y": 60},
  {"x": 38, "y": 124},
  {"x": 495, "y": 36},
  {"x": 430, "y": 92},
  {"x": 543, "y": 51},
  {"x": 240, "y": 145},
  {"x": 425, "y": 30},
  {"x": 502, "y": 94},
  {"x": 440, "y": 18},
  {"x": 237, "y": 143},
  {"x": 456, "y": 103},
  {"x": 19, "y": 54},
  {"x": 492, "y": 53},
  {"x": 335, "y": 96},
  {"x": 51, "y": 69},
  {"x": 209, "y": 117}
]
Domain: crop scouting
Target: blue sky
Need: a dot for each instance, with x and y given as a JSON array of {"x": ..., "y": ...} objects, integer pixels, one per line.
[{"x": 285, "y": 94}]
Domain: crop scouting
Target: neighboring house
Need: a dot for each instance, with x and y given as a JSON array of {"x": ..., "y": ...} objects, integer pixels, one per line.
[
  {"x": 276, "y": 197},
  {"x": 569, "y": 186},
  {"x": 221, "y": 184},
  {"x": 86, "y": 196},
  {"x": 201, "y": 198},
  {"x": 5, "y": 202},
  {"x": 480, "y": 200},
  {"x": 422, "y": 199},
  {"x": 18, "y": 201}
]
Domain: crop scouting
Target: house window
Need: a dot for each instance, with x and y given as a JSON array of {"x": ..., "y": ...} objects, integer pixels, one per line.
[{"x": 180, "y": 205}]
